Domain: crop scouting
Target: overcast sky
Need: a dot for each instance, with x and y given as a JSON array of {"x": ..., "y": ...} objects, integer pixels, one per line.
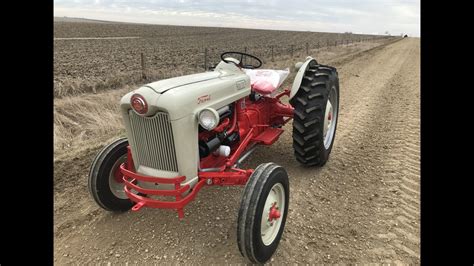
[{"x": 357, "y": 16}]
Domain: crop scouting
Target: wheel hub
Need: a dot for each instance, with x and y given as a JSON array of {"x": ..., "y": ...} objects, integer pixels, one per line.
[
  {"x": 274, "y": 213},
  {"x": 118, "y": 175},
  {"x": 116, "y": 183},
  {"x": 330, "y": 118}
]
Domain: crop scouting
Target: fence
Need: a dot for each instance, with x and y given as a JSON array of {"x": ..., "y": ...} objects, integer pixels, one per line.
[
  {"x": 146, "y": 65},
  {"x": 208, "y": 57}
]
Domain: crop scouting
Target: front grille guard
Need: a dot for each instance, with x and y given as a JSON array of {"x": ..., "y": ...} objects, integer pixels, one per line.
[
  {"x": 142, "y": 200},
  {"x": 222, "y": 178},
  {"x": 140, "y": 196}
]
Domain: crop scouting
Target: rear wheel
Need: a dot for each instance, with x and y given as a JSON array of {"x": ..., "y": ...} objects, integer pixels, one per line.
[
  {"x": 315, "y": 116},
  {"x": 263, "y": 211},
  {"x": 105, "y": 179}
]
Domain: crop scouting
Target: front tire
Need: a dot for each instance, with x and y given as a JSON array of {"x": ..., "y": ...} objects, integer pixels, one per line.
[
  {"x": 105, "y": 184},
  {"x": 315, "y": 115},
  {"x": 263, "y": 212}
]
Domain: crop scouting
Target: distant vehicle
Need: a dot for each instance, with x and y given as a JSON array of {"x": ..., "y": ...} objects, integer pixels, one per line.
[{"x": 405, "y": 36}]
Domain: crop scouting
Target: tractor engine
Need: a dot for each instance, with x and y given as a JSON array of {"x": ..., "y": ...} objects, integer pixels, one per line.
[
  {"x": 254, "y": 111},
  {"x": 163, "y": 125},
  {"x": 220, "y": 140}
]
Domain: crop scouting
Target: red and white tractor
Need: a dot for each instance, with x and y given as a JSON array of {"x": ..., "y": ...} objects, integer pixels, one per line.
[{"x": 189, "y": 132}]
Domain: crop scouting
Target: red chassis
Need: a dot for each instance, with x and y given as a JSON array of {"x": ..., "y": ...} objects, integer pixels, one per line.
[{"x": 252, "y": 120}]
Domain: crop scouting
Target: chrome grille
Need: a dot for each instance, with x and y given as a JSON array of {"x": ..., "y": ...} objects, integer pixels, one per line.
[{"x": 152, "y": 141}]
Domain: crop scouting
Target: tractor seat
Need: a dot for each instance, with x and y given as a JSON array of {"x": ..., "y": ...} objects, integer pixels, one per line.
[{"x": 266, "y": 81}]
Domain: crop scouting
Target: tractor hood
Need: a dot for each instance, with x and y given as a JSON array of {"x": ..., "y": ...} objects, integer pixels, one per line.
[
  {"x": 187, "y": 95},
  {"x": 167, "y": 84}
]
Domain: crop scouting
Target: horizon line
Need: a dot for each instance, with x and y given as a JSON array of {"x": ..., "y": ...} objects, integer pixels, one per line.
[{"x": 184, "y": 25}]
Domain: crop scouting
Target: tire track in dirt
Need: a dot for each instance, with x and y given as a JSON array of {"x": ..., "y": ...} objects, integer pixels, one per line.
[
  {"x": 404, "y": 162},
  {"x": 341, "y": 213}
]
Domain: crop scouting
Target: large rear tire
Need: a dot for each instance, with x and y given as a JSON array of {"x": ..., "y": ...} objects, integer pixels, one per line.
[
  {"x": 263, "y": 211},
  {"x": 105, "y": 184},
  {"x": 315, "y": 116}
]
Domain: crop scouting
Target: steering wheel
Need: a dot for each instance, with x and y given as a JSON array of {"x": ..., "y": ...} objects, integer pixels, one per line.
[{"x": 241, "y": 61}]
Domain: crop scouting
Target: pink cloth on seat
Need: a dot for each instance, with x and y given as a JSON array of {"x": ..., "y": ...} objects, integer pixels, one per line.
[
  {"x": 263, "y": 87},
  {"x": 266, "y": 81}
]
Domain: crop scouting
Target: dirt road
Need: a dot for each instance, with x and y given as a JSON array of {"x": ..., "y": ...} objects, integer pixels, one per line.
[{"x": 362, "y": 206}]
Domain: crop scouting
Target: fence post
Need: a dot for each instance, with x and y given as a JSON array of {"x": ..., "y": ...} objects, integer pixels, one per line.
[
  {"x": 205, "y": 59},
  {"x": 335, "y": 43},
  {"x": 291, "y": 51},
  {"x": 318, "y": 45},
  {"x": 272, "y": 53},
  {"x": 245, "y": 51},
  {"x": 307, "y": 49},
  {"x": 142, "y": 59}
]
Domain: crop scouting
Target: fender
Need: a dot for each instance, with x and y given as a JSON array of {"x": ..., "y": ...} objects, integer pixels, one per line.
[{"x": 299, "y": 76}]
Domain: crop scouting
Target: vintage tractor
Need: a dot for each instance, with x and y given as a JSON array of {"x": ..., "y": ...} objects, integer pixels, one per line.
[{"x": 193, "y": 131}]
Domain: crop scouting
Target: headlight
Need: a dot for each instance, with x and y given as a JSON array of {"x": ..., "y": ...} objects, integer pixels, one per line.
[
  {"x": 208, "y": 118},
  {"x": 139, "y": 104}
]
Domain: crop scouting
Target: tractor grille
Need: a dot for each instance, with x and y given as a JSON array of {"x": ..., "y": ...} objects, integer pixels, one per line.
[{"x": 152, "y": 141}]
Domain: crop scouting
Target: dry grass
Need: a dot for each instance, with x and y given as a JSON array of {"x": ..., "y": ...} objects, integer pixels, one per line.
[{"x": 86, "y": 120}]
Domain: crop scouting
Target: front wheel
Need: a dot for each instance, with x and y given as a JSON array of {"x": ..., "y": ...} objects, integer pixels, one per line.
[
  {"x": 263, "y": 211},
  {"x": 105, "y": 179}
]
